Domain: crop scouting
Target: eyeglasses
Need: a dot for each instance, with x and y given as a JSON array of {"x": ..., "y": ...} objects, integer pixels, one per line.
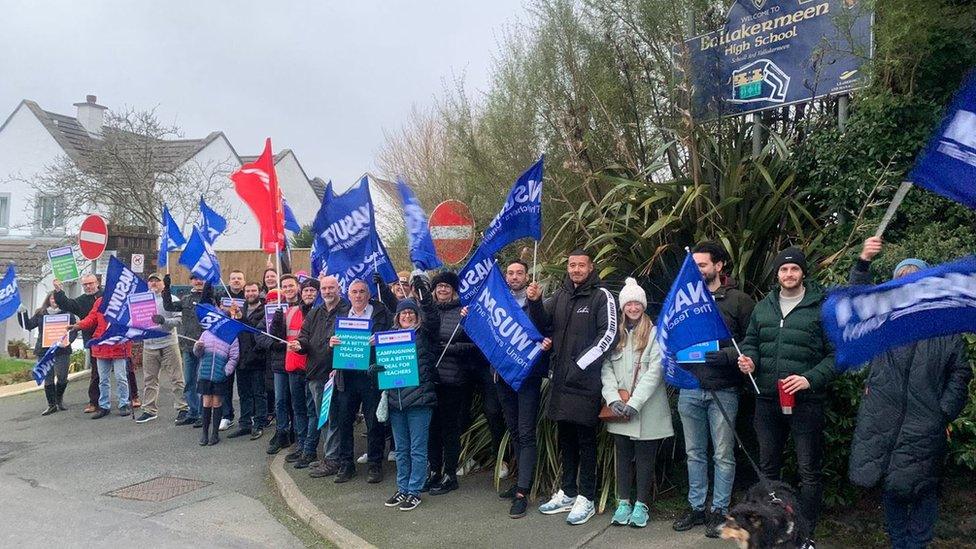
[{"x": 408, "y": 312}]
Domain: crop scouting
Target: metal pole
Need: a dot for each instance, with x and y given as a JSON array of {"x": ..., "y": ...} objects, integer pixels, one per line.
[
  {"x": 895, "y": 202},
  {"x": 843, "y": 102},
  {"x": 757, "y": 135}
]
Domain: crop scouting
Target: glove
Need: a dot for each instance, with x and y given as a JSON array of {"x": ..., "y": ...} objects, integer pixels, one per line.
[
  {"x": 619, "y": 407},
  {"x": 377, "y": 279},
  {"x": 159, "y": 320},
  {"x": 420, "y": 284},
  {"x": 629, "y": 411},
  {"x": 375, "y": 369},
  {"x": 166, "y": 281},
  {"x": 717, "y": 359}
]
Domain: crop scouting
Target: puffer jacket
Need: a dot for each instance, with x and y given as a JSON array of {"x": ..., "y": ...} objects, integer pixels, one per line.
[
  {"x": 736, "y": 307},
  {"x": 428, "y": 334},
  {"x": 96, "y": 323},
  {"x": 462, "y": 356},
  {"x": 582, "y": 322},
  {"x": 317, "y": 329},
  {"x": 217, "y": 359},
  {"x": 911, "y": 394},
  {"x": 37, "y": 321},
  {"x": 781, "y": 347}
]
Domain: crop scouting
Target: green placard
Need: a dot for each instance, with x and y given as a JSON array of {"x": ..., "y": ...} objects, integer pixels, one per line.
[
  {"x": 397, "y": 352},
  {"x": 353, "y": 350},
  {"x": 63, "y": 263}
]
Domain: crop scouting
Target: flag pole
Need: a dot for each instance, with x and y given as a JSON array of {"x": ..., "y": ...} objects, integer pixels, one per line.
[
  {"x": 535, "y": 259},
  {"x": 448, "y": 344},
  {"x": 895, "y": 202},
  {"x": 278, "y": 261},
  {"x": 752, "y": 379},
  {"x": 226, "y": 289}
]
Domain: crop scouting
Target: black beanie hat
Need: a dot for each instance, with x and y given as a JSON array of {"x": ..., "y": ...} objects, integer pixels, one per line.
[
  {"x": 446, "y": 277},
  {"x": 311, "y": 283},
  {"x": 790, "y": 255}
]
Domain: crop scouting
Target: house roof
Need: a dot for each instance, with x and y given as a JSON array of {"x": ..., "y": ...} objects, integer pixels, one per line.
[
  {"x": 277, "y": 158},
  {"x": 318, "y": 185},
  {"x": 30, "y": 255}
]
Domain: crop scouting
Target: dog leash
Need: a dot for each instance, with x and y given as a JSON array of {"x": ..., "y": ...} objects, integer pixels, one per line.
[{"x": 759, "y": 474}]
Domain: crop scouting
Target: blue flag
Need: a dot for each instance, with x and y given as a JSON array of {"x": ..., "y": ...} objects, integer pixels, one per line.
[
  {"x": 291, "y": 222},
  {"x": 688, "y": 316},
  {"x": 44, "y": 365},
  {"x": 864, "y": 321},
  {"x": 224, "y": 327},
  {"x": 422, "y": 252},
  {"x": 117, "y": 334},
  {"x": 948, "y": 164},
  {"x": 375, "y": 261},
  {"x": 120, "y": 283},
  {"x": 319, "y": 254},
  {"x": 200, "y": 258},
  {"x": 212, "y": 224},
  {"x": 521, "y": 215},
  {"x": 9, "y": 294},
  {"x": 326, "y": 403},
  {"x": 345, "y": 225},
  {"x": 170, "y": 237},
  {"x": 474, "y": 273},
  {"x": 502, "y": 330}
]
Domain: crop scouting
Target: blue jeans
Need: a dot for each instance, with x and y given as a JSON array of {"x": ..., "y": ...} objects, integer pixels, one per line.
[
  {"x": 299, "y": 408},
  {"x": 106, "y": 366},
  {"x": 313, "y": 404},
  {"x": 911, "y": 524},
  {"x": 191, "y": 366},
  {"x": 701, "y": 419},
  {"x": 281, "y": 394},
  {"x": 410, "y": 430}
]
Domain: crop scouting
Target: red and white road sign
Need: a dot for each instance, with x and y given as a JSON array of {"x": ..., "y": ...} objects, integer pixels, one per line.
[
  {"x": 452, "y": 229},
  {"x": 93, "y": 237}
]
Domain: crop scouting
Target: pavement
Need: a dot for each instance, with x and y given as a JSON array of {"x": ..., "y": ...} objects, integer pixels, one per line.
[{"x": 59, "y": 469}]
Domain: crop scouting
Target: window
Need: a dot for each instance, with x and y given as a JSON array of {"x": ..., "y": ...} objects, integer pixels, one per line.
[
  {"x": 4, "y": 211},
  {"x": 48, "y": 213}
]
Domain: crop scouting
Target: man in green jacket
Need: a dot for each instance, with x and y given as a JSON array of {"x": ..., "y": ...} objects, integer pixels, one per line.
[{"x": 786, "y": 346}]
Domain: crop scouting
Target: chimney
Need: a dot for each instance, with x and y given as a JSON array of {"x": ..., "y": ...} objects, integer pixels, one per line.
[{"x": 91, "y": 115}]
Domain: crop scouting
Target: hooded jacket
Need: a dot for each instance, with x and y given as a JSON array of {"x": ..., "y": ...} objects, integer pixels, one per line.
[
  {"x": 97, "y": 324},
  {"x": 582, "y": 321}
]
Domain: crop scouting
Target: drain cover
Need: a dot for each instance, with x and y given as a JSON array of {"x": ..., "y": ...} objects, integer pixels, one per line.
[{"x": 158, "y": 489}]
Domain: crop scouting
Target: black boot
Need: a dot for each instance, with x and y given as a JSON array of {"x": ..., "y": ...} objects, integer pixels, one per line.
[
  {"x": 205, "y": 431},
  {"x": 448, "y": 483},
  {"x": 215, "y": 419},
  {"x": 59, "y": 395},
  {"x": 433, "y": 479},
  {"x": 51, "y": 406}
]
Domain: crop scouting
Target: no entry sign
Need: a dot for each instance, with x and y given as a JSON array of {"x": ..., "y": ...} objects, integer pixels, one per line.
[
  {"x": 93, "y": 237},
  {"x": 452, "y": 229}
]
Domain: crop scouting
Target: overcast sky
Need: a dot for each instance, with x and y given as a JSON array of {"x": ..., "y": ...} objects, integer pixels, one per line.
[{"x": 323, "y": 78}]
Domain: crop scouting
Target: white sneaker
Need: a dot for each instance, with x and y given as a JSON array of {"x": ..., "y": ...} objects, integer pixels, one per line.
[
  {"x": 503, "y": 471},
  {"x": 225, "y": 424},
  {"x": 391, "y": 456},
  {"x": 469, "y": 466},
  {"x": 559, "y": 503},
  {"x": 362, "y": 459},
  {"x": 583, "y": 510}
]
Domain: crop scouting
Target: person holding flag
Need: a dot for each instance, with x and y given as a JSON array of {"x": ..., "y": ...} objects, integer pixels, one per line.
[
  {"x": 162, "y": 355},
  {"x": 56, "y": 380},
  {"x": 217, "y": 359},
  {"x": 110, "y": 358},
  {"x": 189, "y": 330},
  {"x": 789, "y": 353}
]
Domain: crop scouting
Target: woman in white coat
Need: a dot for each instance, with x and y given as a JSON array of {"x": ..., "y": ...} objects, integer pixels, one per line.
[{"x": 634, "y": 389}]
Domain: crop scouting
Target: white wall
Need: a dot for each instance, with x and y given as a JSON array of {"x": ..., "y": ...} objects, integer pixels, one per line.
[{"x": 296, "y": 189}]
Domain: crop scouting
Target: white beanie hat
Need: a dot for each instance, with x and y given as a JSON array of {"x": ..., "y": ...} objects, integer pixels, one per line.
[{"x": 632, "y": 292}]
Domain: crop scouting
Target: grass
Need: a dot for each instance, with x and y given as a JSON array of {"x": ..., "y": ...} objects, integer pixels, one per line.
[{"x": 14, "y": 370}]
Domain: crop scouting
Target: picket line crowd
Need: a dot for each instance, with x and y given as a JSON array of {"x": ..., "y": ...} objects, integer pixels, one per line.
[{"x": 603, "y": 365}]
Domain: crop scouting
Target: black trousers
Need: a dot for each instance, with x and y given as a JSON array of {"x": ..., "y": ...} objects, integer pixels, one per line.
[
  {"x": 806, "y": 423},
  {"x": 521, "y": 412},
  {"x": 483, "y": 383},
  {"x": 358, "y": 390},
  {"x": 254, "y": 403},
  {"x": 444, "y": 441},
  {"x": 635, "y": 467},
  {"x": 577, "y": 450}
]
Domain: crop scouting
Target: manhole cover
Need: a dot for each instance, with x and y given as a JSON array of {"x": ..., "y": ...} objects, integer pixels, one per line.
[{"x": 159, "y": 489}]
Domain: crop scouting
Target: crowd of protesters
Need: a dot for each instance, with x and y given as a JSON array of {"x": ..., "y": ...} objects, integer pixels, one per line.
[{"x": 602, "y": 362}]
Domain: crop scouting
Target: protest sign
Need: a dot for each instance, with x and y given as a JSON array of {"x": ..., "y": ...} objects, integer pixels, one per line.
[
  {"x": 696, "y": 353},
  {"x": 396, "y": 350},
  {"x": 63, "y": 264},
  {"x": 55, "y": 326},
  {"x": 228, "y": 302},
  {"x": 142, "y": 307},
  {"x": 353, "y": 350}
]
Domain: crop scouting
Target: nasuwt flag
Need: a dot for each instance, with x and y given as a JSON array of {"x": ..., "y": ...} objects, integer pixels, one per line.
[
  {"x": 170, "y": 238},
  {"x": 326, "y": 403},
  {"x": 864, "y": 321},
  {"x": 948, "y": 164},
  {"x": 688, "y": 316},
  {"x": 44, "y": 365},
  {"x": 117, "y": 334},
  {"x": 198, "y": 256},
  {"x": 224, "y": 327},
  {"x": 474, "y": 273},
  {"x": 502, "y": 330},
  {"x": 120, "y": 283},
  {"x": 376, "y": 261},
  {"x": 291, "y": 222},
  {"x": 319, "y": 254},
  {"x": 211, "y": 223},
  {"x": 9, "y": 294},
  {"x": 422, "y": 252},
  {"x": 257, "y": 185},
  {"x": 521, "y": 215},
  {"x": 345, "y": 225}
]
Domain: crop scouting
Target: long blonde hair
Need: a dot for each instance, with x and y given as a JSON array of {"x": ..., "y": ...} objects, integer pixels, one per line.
[{"x": 641, "y": 333}]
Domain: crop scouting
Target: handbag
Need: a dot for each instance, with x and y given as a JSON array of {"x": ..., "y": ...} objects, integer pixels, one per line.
[
  {"x": 607, "y": 415},
  {"x": 383, "y": 408}
]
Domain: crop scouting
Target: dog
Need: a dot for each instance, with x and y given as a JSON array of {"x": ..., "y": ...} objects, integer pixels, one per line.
[{"x": 766, "y": 519}]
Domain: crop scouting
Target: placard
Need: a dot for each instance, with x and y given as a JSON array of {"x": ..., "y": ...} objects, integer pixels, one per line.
[
  {"x": 54, "y": 328},
  {"x": 696, "y": 353},
  {"x": 396, "y": 350},
  {"x": 63, "y": 264},
  {"x": 353, "y": 350},
  {"x": 142, "y": 307},
  {"x": 228, "y": 302},
  {"x": 269, "y": 311}
]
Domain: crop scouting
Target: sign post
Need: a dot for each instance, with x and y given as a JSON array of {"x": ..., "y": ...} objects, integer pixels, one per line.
[{"x": 452, "y": 230}]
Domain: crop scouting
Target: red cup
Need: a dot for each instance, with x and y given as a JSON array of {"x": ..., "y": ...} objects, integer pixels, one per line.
[{"x": 786, "y": 400}]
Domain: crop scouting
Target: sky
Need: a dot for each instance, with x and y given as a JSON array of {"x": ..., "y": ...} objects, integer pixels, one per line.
[{"x": 322, "y": 78}]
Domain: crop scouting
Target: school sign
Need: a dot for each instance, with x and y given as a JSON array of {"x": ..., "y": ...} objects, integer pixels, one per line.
[{"x": 772, "y": 53}]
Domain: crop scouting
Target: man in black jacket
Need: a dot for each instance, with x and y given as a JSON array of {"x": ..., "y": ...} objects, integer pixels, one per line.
[
  {"x": 582, "y": 317},
  {"x": 313, "y": 341},
  {"x": 911, "y": 394},
  {"x": 719, "y": 378},
  {"x": 250, "y": 367},
  {"x": 80, "y": 307},
  {"x": 190, "y": 330}
]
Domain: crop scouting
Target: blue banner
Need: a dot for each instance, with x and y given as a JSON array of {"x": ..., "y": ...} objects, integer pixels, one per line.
[
  {"x": 319, "y": 254},
  {"x": 375, "y": 261},
  {"x": 170, "y": 238},
  {"x": 422, "y": 252},
  {"x": 326, "y": 403},
  {"x": 771, "y": 53},
  {"x": 224, "y": 327},
  {"x": 474, "y": 273},
  {"x": 521, "y": 215},
  {"x": 948, "y": 164},
  {"x": 345, "y": 225},
  {"x": 864, "y": 321},
  {"x": 212, "y": 224},
  {"x": 117, "y": 334},
  {"x": 120, "y": 283},
  {"x": 200, "y": 259},
  {"x": 502, "y": 330},
  {"x": 688, "y": 316},
  {"x": 44, "y": 365},
  {"x": 9, "y": 294},
  {"x": 291, "y": 222}
]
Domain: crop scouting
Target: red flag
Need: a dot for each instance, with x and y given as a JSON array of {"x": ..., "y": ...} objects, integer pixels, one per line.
[{"x": 257, "y": 185}]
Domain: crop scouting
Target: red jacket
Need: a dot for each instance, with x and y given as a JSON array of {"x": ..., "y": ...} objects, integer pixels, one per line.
[
  {"x": 293, "y": 324},
  {"x": 96, "y": 320}
]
